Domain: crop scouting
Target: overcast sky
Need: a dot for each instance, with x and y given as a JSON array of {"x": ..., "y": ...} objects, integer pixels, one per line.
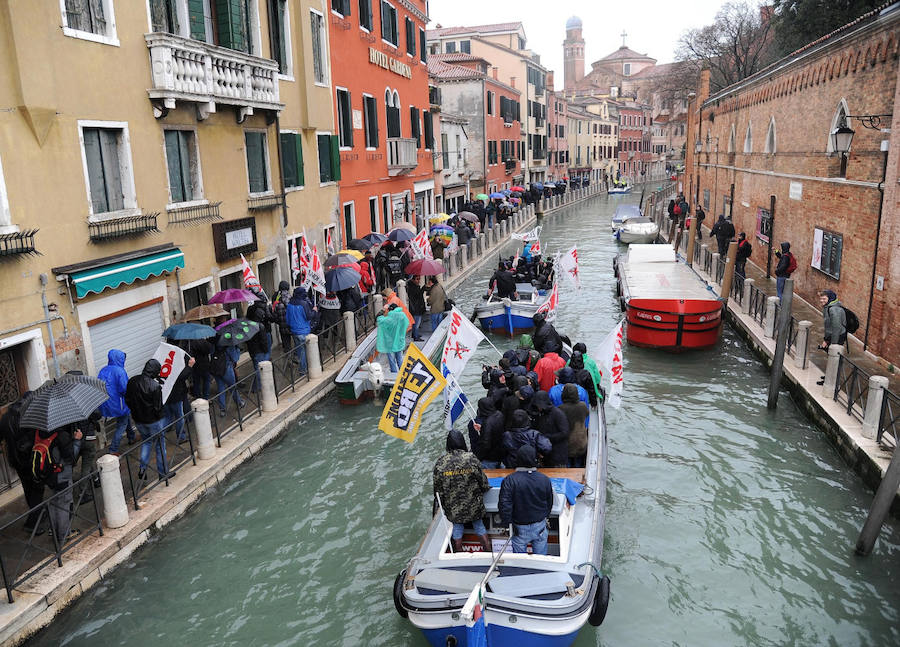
[{"x": 653, "y": 26}]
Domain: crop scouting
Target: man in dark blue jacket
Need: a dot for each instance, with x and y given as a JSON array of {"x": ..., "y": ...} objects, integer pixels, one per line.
[
  {"x": 526, "y": 498},
  {"x": 521, "y": 434}
]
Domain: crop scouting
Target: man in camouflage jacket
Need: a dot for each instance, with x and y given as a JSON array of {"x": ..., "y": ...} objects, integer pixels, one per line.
[{"x": 460, "y": 484}]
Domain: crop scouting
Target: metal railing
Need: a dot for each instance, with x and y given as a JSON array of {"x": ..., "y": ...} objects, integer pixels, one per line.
[
  {"x": 234, "y": 416},
  {"x": 364, "y": 320},
  {"x": 707, "y": 263},
  {"x": 889, "y": 420},
  {"x": 720, "y": 270},
  {"x": 286, "y": 371},
  {"x": 851, "y": 387},
  {"x": 757, "y": 306},
  {"x": 24, "y": 554},
  {"x": 737, "y": 288},
  {"x": 332, "y": 342}
]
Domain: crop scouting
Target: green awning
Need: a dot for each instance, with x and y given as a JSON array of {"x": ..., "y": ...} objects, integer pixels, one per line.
[{"x": 126, "y": 272}]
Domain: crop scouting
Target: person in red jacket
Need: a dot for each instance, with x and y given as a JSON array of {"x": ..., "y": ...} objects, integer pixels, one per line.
[
  {"x": 546, "y": 370},
  {"x": 367, "y": 278}
]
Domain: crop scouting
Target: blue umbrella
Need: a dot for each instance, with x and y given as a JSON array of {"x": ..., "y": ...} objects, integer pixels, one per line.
[
  {"x": 189, "y": 331},
  {"x": 375, "y": 238},
  {"x": 497, "y": 194},
  {"x": 400, "y": 234},
  {"x": 538, "y": 186},
  {"x": 341, "y": 278},
  {"x": 506, "y": 192}
]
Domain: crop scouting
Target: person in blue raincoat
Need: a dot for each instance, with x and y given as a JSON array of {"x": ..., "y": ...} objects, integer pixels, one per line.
[
  {"x": 392, "y": 335},
  {"x": 116, "y": 379}
]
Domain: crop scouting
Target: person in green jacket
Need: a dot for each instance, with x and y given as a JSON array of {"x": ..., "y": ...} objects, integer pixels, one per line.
[
  {"x": 392, "y": 335},
  {"x": 590, "y": 366}
]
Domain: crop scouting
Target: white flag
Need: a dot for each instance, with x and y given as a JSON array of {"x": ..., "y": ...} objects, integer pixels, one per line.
[
  {"x": 462, "y": 339},
  {"x": 455, "y": 401},
  {"x": 549, "y": 306},
  {"x": 172, "y": 360},
  {"x": 568, "y": 265},
  {"x": 609, "y": 353},
  {"x": 420, "y": 247},
  {"x": 534, "y": 234}
]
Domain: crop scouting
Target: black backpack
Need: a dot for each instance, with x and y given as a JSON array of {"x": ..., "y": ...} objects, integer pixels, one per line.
[
  {"x": 852, "y": 321},
  {"x": 218, "y": 362}
]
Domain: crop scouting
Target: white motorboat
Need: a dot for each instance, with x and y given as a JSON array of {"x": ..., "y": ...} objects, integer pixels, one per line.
[
  {"x": 623, "y": 213},
  {"x": 638, "y": 230},
  {"x": 511, "y": 318},
  {"x": 614, "y": 189}
]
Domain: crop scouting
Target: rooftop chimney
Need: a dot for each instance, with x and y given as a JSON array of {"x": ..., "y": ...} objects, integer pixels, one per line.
[
  {"x": 494, "y": 73},
  {"x": 512, "y": 81}
]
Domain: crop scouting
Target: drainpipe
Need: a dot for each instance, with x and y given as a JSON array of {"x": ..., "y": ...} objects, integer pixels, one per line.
[
  {"x": 284, "y": 214},
  {"x": 875, "y": 259},
  {"x": 56, "y": 370},
  {"x": 180, "y": 294}
]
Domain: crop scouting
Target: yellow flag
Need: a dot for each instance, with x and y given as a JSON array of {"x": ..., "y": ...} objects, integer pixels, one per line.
[{"x": 418, "y": 382}]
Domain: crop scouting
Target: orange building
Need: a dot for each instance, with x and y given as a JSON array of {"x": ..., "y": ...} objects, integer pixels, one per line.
[{"x": 382, "y": 120}]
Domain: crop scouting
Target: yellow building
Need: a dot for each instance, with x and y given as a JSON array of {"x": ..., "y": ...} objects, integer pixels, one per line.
[{"x": 144, "y": 146}]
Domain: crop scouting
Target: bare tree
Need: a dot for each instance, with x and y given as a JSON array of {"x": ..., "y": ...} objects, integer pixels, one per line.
[{"x": 737, "y": 44}]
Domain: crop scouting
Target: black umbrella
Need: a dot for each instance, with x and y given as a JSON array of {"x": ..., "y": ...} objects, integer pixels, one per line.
[
  {"x": 62, "y": 401},
  {"x": 341, "y": 278},
  {"x": 359, "y": 245},
  {"x": 467, "y": 215},
  {"x": 237, "y": 332}
]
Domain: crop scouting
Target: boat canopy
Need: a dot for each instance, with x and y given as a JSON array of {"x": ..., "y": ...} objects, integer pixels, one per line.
[
  {"x": 651, "y": 254},
  {"x": 626, "y": 212}
]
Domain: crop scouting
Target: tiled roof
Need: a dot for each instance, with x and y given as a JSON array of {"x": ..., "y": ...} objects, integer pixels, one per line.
[
  {"x": 656, "y": 70},
  {"x": 456, "y": 57},
  {"x": 625, "y": 53},
  {"x": 476, "y": 29},
  {"x": 441, "y": 70}
]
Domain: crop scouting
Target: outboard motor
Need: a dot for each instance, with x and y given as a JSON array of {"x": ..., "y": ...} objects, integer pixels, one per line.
[{"x": 375, "y": 373}]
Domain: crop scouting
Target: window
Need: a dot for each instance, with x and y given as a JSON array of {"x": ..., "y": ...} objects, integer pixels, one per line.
[
  {"x": 365, "y": 14},
  {"x": 226, "y": 23},
  {"x": 349, "y": 221},
  {"x": 91, "y": 20},
  {"x": 345, "y": 118},
  {"x": 386, "y": 213},
  {"x": 196, "y": 295},
  {"x": 341, "y": 6},
  {"x": 450, "y": 48},
  {"x": 490, "y": 102},
  {"x": 770, "y": 138},
  {"x": 827, "y": 249},
  {"x": 706, "y": 199},
  {"x": 183, "y": 165},
  {"x": 392, "y": 108},
  {"x": 731, "y": 140},
  {"x": 445, "y": 151},
  {"x": 370, "y": 115},
  {"x": 329, "y": 158},
  {"x": 415, "y": 125},
  {"x": 389, "y": 23},
  {"x": 748, "y": 139},
  {"x": 292, "y": 159},
  {"x": 107, "y": 166},
  {"x": 373, "y": 213},
  {"x": 429, "y": 130},
  {"x": 280, "y": 35},
  {"x": 163, "y": 16},
  {"x": 267, "y": 273},
  {"x": 330, "y": 230},
  {"x": 626, "y": 69},
  {"x": 410, "y": 37},
  {"x": 317, "y": 29},
  {"x": 465, "y": 46},
  {"x": 257, "y": 161},
  {"x": 521, "y": 43},
  {"x": 422, "y": 46}
]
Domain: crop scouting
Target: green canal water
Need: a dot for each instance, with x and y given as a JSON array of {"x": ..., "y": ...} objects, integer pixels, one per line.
[{"x": 727, "y": 524}]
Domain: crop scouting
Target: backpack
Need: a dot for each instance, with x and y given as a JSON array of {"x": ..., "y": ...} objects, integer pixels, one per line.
[
  {"x": 792, "y": 266},
  {"x": 852, "y": 321},
  {"x": 677, "y": 210},
  {"x": 44, "y": 467},
  {"x": 218, "y": 362}
]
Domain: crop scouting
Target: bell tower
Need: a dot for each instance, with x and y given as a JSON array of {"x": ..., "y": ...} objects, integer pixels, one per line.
[{"x": 573, "y": 54}]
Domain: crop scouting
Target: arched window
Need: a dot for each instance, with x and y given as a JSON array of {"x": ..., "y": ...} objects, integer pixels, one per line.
[
  {"x": 731, "y": 140},
  {"x": 392, "y": 111},
  {"x": 770, "y": 138},
  {"x": 839, "y": 119},
  {"x": 748, "y": 139}
]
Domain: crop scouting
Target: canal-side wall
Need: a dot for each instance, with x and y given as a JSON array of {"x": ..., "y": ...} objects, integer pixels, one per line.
[{"x": 42, "y": 597}]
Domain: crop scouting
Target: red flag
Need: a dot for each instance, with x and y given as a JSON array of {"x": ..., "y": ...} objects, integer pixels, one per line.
[
  {"x": 549, "y": 306},
  {"x": 316, "y": 274},
  {"x": 329, "y": 244},
  {"x": 249, "y": 278},
  {"x": 295, "y": 260}
]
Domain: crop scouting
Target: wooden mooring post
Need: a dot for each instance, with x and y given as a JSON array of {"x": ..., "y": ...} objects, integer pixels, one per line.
[
  {"x": 783, "y": 330},
  {"x": 881, "y": 505},
  {"x": 728, "y": 277}
]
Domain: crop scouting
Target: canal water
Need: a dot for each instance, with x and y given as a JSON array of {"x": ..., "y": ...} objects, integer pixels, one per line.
[{"x": 727, "y": 524}]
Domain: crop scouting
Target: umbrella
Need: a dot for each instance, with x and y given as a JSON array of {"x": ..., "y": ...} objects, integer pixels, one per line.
[
  {"x": 506, "y": 192},
  {"x": 565, "y": 177},
  {"x": 340, "y": 259},
  {"x": 341, "y": 278},
  {"x": 518, "y": 188},
  {"x": 399, "y": 234},
  {"x": 225, "y": 323},
  {"x": 549, "y": 185},
  {"x": 405, "y": 225},
  {"x": 446, "y": 228},
  {"x": 482, "y": 196},
  {"x": 538, "y": 186},
  {"x": 62, "y": 401},
  {"x": 374, "y": 238},
  {"x": 441, "y": 217},
  {"x": 352, "y": 252},
  {"x": 515, "y": 200},
  {"x": 233, "y": 295},
  {"x": 424, "y": 267},
  {"x": 468, "y": 215},
  {"x": 359, "y": 245},
  {"x": 189, "y": 331},
  {"x": 497, "y": 195},
  {"x": 204, "y": 312},
  {"x": 237, "y": 332}
]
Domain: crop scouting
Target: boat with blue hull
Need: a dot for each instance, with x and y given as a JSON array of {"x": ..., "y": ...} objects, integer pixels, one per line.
[
  {"x": 529, "y": 600},
  {"x": 507, "y": 317}
]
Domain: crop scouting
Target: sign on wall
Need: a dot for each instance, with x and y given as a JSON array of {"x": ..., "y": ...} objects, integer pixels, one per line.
[
  {"x": 816, "y": 261},
  {"x": 796, "y": 191},
  {"x": 233, "y": 238},
  {"x": 383, "y": 60},
  {"x": 763, "y": 225}
]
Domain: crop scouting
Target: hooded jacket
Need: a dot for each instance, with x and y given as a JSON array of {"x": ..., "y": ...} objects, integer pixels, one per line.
[
  {"x": 784, "y": 261},
  {"x": 546, "y": 370},
  {"x": 835, "y": 320},
  {"x": 551, "y": 422},
  {"x": 261, "y": 314},
  {"x": 299, "y": 313},
  {"x": 143, "y": 394},
  {"x": 459, "y": 481},
  {"x": 590, "y": 365},
  {"x": 522, "y": 434},
  {"x": 116, "y": 381},
  {"x": 546, "y": 339},
  {"x": 526, "y": 495},
  {"x": 279, "y": 306},
  {"x": 576, "y": 412},
  {"x": 488, "y": 444},
  {"x": 391, "y": 331},
  {"x": 416, "y": 298}
]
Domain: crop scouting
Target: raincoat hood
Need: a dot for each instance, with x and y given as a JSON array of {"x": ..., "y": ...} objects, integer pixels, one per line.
[
  {"x": 565, "y": 375},
  {"x": 520, "y": 420},
  {"x": 455, "y": 440},
  {"x": 831, "y": 295},
  {"x": 570, "y": 393},
  {"x": 541, "y": 402},
  {"x": 525, "y": 341},
  {"x": 526, "y": 456},
  {"x": 299, "y": 297},
  {"x": 392, "y": 331},
  {"x": 151, "y": 369},
  {"x": 485, "y": 408},
  {"x": 511, "y": 357},
  {"x": 577, "y": 361},
  {"x": 785, "y": 247},
  {"x": 116, "y": 358},
  {"x": 525, "y": 393},
  {"x": 580, "y": 347},
  {"x": 532, "y": 378}
]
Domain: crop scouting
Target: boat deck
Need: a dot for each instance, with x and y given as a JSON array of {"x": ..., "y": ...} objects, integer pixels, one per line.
[
  {"x": 575, "y": 474},
  {"x": 663, "y": 280}
]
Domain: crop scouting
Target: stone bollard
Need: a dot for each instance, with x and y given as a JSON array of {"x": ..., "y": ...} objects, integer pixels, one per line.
[
  {"x": 874, "y": 401},
  {"x": 268, "y": 399},
  {"x": 769, "y": 326},
  {"x": 206, "y": 446},
  {"x": 378, "y": 301},
  {"x": 704, "y": 252},
  {"x": 745, "y": 300},
  {"x": 712, "y": 268},
  {"x": 831, "y": 369},
  {"x": 115, "y": 510},
  {"x": 461, "y": 258},
  {"x": 401, "y": 292},
  {"x": 313, "y": 357},
  {"x": 350, "y": 330},
  {"x": 801, "y": 353}
]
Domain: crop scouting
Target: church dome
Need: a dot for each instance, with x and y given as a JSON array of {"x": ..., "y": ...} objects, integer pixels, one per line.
[{"x": 573, "y": 23}]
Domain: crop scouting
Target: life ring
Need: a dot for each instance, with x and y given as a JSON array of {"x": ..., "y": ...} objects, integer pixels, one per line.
[
  {"x": 398, "y": 592},
  {"x": 601, "y": 603}
]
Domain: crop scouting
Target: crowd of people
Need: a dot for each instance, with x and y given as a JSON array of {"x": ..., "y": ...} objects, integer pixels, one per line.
[{"x": 536, "y": 412}]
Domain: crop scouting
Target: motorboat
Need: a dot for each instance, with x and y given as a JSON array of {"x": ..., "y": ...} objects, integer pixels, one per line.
[
  {"x": 618, "y": 189},
  {"x": 623, "y": 213},
  {"x": 638, "y": 230},
  {"x": 504, "y": 316},
  {"x": 367, "y": 372},
  {"x": 667, "y": 304},
  {"x": 540, "y": 600}
]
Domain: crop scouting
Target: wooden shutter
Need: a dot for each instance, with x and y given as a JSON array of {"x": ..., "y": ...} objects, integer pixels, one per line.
[
  {"x": 324, "y": 151},
  {"x": 109, "y": 148},
  {"x": 365, "y": 14},
  {"x": 289, "y": 158},
  {"x": 301, "y": 180},
  {"x": 197, "y": 20},
  {"x": 414, "y": 126},
  {"x": 371, "y": 107},
  {"x": 231, "y": 19},
  {"x": 422, "y": 48},
  {"x": 173, "y": 162},
  {"x": 410, "y": 37},
  {"x": 385, "y": 21},
  {"x": 95, "y": 170},
  {"x": 256, "y": 163},
  {"x": 335, "y": 158},
  {"x": 429, "y": 131}
]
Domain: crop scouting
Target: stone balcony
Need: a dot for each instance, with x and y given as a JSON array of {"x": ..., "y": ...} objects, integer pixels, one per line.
[
  {"x": 183, "y": 69},
  {"x": 402, "y": 158}
]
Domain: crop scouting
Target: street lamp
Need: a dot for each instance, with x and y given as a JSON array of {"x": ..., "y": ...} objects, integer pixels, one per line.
[
  {"x": 841, "y": 137},
  {"x": 698, "y": 147}
]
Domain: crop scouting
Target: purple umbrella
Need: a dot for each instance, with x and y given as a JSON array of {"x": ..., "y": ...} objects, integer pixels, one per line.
[{"x": 233, "y": 295}]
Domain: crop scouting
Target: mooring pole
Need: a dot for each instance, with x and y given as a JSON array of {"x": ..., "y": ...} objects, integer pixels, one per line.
[
  {"x": 881, "y": 505},
  {"x": 728, "y": 277},
  {"x": 783, "y": 329}
]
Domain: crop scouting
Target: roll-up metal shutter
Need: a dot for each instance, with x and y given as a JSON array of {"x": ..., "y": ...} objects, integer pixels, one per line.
[{"x": 136, "y": 332}]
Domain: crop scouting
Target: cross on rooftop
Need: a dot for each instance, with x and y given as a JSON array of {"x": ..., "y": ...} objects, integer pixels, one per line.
[{"x": 623, "y": 35}]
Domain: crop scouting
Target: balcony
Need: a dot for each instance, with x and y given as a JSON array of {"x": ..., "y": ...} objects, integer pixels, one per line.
[
  {"x": 511, "y": 165},
  {"x": 123, "y": 227},
  {"x": 183, "y": 69},
  {"x": 402, "y": 158},
  {"x": 434, "y": 97}
]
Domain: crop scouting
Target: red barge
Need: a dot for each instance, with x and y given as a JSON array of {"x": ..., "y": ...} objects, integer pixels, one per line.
[{"x": 666, "y": 303}]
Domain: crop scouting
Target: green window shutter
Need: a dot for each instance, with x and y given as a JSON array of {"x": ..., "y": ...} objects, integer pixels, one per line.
[
  {"x": 197, "y": 20},
  {"x": 231, "y": 19},
  {"x": 335, "y": 158},
  {"x": 289, "y": 159},
  {"x": 301, "y": 180},
  {"x": 173, "y": 161},
  {"x": 95, "y": 170},
  {"x": 256, "y": 163},
  {"x": 184, "y": 145},
  {"x": 109, "y": 148}
]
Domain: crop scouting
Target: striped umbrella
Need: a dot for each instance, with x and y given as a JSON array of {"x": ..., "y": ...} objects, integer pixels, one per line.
[{"x": 62, "y": 401}]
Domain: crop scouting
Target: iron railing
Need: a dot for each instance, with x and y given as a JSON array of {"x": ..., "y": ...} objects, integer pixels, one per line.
[
  {"x": 757, "y": 307},
  {"x": 737, "y": 288},
  {"x": 195, "y": 214},
  {"x": 123, "y": 227},
  {"x": 234, "y": 416},
  {"x": 20, "y": 242},
  {"x": 286, "y": 371},
  {"x": 332, "y": 342},
  {"x": 707, "y": 263},
  {"x": 261, "y": 202},
  {"x": 851, "y": 387},
  {"x": 24, "y": 554},
  {"x": 889, "y": 420},
  {"x": 364, "y": 319}
]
